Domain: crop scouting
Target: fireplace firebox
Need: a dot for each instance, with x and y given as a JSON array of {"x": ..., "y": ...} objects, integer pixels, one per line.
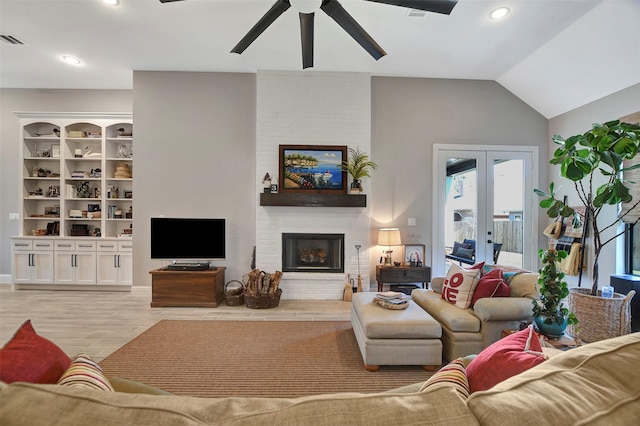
[{"x": 313, "y": 253}]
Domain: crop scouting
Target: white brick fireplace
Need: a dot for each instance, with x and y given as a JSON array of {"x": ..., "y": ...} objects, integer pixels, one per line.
[{"x": 311, "y": 108}]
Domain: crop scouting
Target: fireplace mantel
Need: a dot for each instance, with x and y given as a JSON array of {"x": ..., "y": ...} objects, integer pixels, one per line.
[{"x": 313, "y": 200}]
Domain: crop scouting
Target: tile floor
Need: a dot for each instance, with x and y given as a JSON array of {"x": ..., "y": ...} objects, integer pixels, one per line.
[{"x": 101, "y": 322}]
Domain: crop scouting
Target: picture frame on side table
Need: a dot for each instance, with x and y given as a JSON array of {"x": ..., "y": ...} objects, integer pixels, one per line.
[
  {"x": 413, "y": 255},
  {"x": 312, "y": 169}
]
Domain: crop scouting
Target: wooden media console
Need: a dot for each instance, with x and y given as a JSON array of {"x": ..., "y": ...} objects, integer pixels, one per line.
[{"x": 203, "y": 289}]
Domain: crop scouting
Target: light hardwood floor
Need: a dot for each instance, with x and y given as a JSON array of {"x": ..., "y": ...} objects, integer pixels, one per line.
[{"x": 98, "y": 323}]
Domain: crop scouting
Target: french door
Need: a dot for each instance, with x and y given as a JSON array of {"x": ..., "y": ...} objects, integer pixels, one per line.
[{"x": 484, "y": 207}]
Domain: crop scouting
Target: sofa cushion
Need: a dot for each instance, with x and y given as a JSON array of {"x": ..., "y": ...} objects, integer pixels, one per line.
[
  {"x": 592, "y": 384},
  {"x": 459, "y": 285},
  {"x": 448, "y": 315},
  {"x": 84, "y": 372},
  {"x": 451, "y": 375},
  {"x": 28, "y": 357},
  {"x": 491, "y": 284},
  {"x": 28, "y": 404},
  {"x": 507, "y": 357}
]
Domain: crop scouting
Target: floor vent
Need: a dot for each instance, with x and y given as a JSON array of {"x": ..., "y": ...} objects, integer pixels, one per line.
[{"x": 9, "y": 39}]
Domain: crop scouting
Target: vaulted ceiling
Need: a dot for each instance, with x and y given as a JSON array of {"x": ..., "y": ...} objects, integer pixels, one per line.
[{"x": 556, "y": 55}]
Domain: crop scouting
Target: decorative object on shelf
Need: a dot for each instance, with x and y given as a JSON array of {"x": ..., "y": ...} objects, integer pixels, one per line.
[
  {"x": 123, "y": 171},
  {"x": 95, "y": 173},
  {"x": 266, "y": 181},
  {"x": 55, "y": 151},
  {"x": 549, "y": 313},
  {"x": 603, "y": 153},
  {"x": 389, "y": 237},
  {"x": 124, "y": 133},
  {"x": 413, "y": 255},
  {"x": 358, "y": 166},
  {"x": 274, "y": 186},
  {"x": 83, "y": 190},
  {"x": 312, "y": 168},
  {"x": 122, "y": 151}
]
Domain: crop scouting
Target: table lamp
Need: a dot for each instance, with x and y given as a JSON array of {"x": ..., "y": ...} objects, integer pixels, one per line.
[{"x": 389, "y": 237}]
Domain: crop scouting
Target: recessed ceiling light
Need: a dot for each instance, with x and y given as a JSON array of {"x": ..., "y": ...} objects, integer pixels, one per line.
[
  {"x": 71, "y": 60},
  {"x": 499, "y": 13},
  {"x": 111, "y": 2}
]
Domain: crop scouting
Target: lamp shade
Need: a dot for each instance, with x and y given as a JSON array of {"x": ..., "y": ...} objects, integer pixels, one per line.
[{"x": 389, "y": 237}]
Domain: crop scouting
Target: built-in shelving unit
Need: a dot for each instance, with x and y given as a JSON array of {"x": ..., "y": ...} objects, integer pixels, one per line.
[
  {"x": 313, "y": 200},
  {"x": 76, "y": 184}
]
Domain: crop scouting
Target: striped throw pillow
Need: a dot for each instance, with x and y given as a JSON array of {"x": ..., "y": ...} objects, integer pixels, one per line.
[
  {"x": 84, "y": 372},
  {"x": 452, "y": 374}
]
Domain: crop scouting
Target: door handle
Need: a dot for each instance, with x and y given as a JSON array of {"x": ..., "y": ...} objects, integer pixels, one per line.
[{"x": 489, "y": 241}]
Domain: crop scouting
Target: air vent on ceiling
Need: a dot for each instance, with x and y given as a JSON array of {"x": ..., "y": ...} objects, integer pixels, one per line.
[
  {"x": 415, "y": 13},
  {"x": 9, "y": 39}
]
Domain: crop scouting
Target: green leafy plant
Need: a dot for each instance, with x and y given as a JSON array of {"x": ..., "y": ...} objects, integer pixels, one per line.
[
  {"x": 553, "y": 289},
  {"x": 599, "y": 154},
  {"x": 358, "y": 165}
]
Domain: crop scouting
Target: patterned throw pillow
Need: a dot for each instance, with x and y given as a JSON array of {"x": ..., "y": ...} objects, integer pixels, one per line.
[
  {"x": 491, "y": 284},
  {"x": 28, "y": 357},
  {"x": 507, "y": 357},
  {"x": 459, "y": 285},
  {"x": 84, "y": 372},
  {"x": 452, "y": 374}
]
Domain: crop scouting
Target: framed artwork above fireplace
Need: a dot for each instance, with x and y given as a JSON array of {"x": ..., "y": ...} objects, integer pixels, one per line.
[{"x": 312, "y": 169}]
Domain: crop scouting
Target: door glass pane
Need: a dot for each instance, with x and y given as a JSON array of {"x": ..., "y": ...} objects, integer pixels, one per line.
[
  {"x": 461, "y": 210},
  {"x": 508, "y": 212}
]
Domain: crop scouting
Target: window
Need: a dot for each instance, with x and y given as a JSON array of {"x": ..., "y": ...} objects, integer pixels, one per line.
[{"x": 632, "y": 249}]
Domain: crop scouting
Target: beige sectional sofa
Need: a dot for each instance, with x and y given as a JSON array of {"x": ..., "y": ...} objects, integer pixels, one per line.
[
  {"x": 596, "y": 384},
  {"x": 468, "y": 331}
]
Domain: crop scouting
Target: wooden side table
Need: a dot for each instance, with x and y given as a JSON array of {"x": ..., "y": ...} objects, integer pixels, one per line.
[
  {"x": 402, "y": 274},
  {"x": 203, "y": 289},
  {"x": 563, "y": 343}
]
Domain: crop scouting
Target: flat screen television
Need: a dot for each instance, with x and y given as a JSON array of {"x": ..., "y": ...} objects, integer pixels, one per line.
[{"x": 187, "y": 238}]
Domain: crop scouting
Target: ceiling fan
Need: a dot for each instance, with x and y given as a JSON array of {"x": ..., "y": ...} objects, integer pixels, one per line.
[{"x": 334, "y": 9}]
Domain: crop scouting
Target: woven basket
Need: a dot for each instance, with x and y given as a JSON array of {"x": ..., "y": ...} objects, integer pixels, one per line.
[
  {"x": 233, "y": 297},
  {"x": 263, "y": 301},
  {"x": 600, "y": 317}
]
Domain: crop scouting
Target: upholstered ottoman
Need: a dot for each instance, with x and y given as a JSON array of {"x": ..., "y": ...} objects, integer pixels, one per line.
[{"x": 395, "y": 337}]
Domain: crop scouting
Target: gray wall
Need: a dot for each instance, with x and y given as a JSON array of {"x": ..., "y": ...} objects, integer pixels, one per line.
[
  {"x": 411, "y": 115},
  {"x": 195, "y": 157},
  {"x": 12, "y": 100},
  {"x": 579, "y": 121}
]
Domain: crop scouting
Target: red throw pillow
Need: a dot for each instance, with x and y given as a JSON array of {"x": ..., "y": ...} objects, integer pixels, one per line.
[
  {"x": 28, "y": 357},
  {"x": 491, "y": 284},
  {"x": 507, "y": 357}
]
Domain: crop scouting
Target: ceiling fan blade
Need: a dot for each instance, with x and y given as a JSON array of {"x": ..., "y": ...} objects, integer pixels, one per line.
[
  {"x": 436, "y": 6},
  {"x": 335, "y": 10},
  {"x": 306, "y": 35},
  {"x": 278, "y": 8},
  {"x": 168, "y": 1}
]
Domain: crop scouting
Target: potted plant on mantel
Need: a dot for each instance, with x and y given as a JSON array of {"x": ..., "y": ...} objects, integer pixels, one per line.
[
  {"x": 358, "y": 166},
  {"x": 595, "y": 156},
  {"x": 549, "y": 313}
]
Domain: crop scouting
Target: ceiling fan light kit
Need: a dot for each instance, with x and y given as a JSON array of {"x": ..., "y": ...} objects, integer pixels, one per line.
[{"x": 333, "y": 8}]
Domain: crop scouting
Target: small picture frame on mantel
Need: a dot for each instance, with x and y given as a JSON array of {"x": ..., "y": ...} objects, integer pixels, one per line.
[{"x": 413, "y": 255}]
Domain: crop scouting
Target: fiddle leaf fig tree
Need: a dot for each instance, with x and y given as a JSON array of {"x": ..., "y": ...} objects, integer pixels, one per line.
[{"x": 595, "y": 156}]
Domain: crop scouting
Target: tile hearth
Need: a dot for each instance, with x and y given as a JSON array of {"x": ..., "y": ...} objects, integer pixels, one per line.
[{"x": 101, "y": 322}]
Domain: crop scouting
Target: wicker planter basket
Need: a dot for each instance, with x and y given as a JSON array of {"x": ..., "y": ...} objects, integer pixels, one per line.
[
  {"x": 263, "y": 301},
  {"x": 233, "y": 295},
  {"x": 600, "y": 317}
]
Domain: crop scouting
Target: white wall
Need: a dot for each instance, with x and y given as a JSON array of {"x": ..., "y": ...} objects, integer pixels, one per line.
[{"x": 311, "y": 108}]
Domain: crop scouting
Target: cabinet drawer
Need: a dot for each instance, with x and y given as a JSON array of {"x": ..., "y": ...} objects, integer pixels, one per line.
[
  {"x": 22, "y": 245},
  {"x": 108, "y": 246},
  {"x": 403, "y": 275},
  {"x": 32, "y": 245},
  {"x": 125, "y": 245},
  {"x": 70, "y": 245}
]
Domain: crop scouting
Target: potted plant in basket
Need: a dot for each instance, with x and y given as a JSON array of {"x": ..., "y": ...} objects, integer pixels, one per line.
[
  {"x": 587, "y": 159},
  {"x": 358, "y": 166},
  {"x": 549, "y": 313}
]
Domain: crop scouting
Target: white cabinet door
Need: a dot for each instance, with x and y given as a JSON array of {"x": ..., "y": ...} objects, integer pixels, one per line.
[
  {"x": 85, "y": 268},
  {"x": 64, "y": 270},
  {"x": 32, "y": 262},
  {"x": 107, "y": 269},
  {"x": 125, "y": 268},
  {"x": 42, "y": 267}
]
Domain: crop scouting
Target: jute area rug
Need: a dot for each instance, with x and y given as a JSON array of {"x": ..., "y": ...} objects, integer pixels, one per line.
[{"x": 253, "y": 358}]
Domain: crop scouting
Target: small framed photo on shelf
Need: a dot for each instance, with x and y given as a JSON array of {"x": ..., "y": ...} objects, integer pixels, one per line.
[
  {"x": 413, "y": 255},
  {"x": 55, "y": 151}
]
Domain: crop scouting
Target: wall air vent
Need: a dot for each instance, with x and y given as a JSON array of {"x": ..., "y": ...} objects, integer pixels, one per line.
[
  {"x": 9, "y": 39},
  {"x": 415, "y": 13}
]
